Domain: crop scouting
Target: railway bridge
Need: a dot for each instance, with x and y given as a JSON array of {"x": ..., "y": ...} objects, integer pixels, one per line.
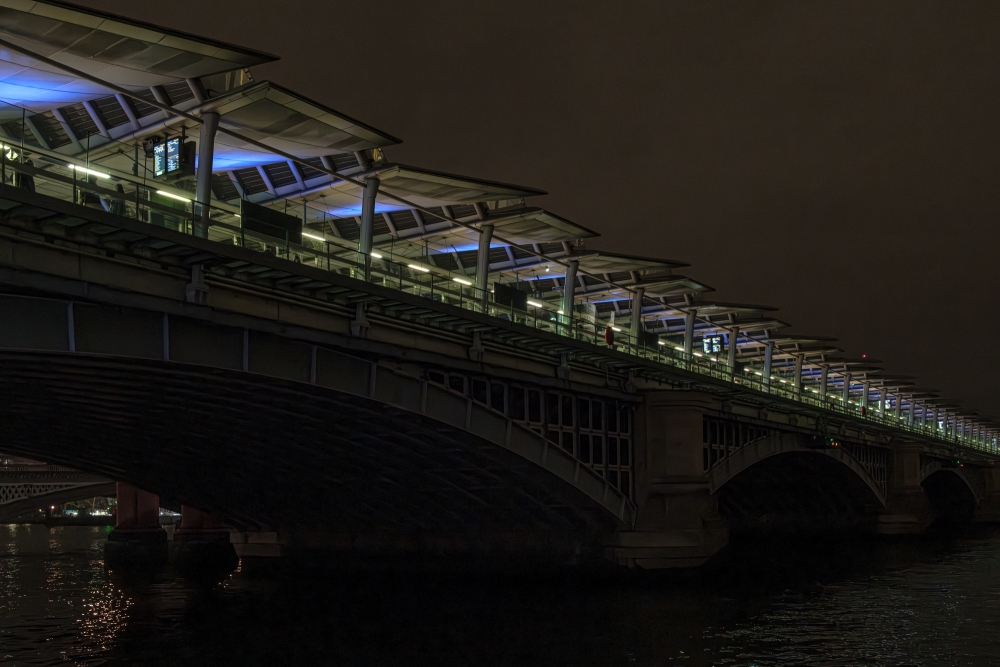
[{"x": 293, "y": 335}]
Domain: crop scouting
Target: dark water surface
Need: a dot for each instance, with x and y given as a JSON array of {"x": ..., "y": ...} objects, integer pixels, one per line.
[{"x": 835, "y": 604}]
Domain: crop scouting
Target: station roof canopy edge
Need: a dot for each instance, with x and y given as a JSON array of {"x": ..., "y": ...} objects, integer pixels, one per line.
[{"x": 123, "y": 51}]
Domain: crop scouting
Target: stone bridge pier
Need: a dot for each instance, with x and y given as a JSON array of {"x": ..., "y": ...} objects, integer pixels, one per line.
[
  {"x": 137, "y": 536},
  {"x": 677, "y": 522},
  {"x": 706, "y": 470}
]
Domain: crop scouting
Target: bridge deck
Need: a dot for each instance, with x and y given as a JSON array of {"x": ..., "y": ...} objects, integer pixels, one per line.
[{"x": 231, "y": 254}]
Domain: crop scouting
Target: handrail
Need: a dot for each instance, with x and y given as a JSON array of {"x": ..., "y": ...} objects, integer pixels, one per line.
[{"x": 408, "y": 276}]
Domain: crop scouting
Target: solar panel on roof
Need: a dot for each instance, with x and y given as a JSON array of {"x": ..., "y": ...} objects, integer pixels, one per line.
[
  {"x": 178, "y": 91},
  {"x": 111, "y": 111},
  {"x": 79, "y": 121},
  {"x": 462, "y": 210},
  {"x": 348, "y": 228},
  {"x": 223, "y": 187},
  {"x": 52, "y": 130},
  {"x": 498, "y": 256},
  {"x": 251, "y": 180},
  {"x": 343, "y": 161},
  {"x": 434, "y": 216},
  {"x": 403, "y": 220},
  {"x": 280, "y": 174},
  {"x": 16, "y": 129},
  {"x": 141, "y": 107},
  {"x": 308, "y": 172}
]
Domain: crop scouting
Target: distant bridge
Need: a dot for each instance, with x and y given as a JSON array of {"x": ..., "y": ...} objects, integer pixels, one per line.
[{"x": 25, "y": 488}]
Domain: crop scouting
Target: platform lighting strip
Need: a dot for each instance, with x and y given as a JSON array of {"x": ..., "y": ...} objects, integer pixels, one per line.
[{"x": 169, "y": 109}]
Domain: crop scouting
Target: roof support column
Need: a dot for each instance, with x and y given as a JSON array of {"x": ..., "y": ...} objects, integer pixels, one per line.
[
  {"x": 206, "y": 156},
  {"x": 637, "y": 314},
  {"x": 569, "y": 292},
  {"x": 847, "y": 389},
  {"x": 734, "y": 335},
  {"x": 824, "y": 377},
  {"x": 768, "y": 355},
  {"x": 910, "y": 411},
  {"x": 923, "y": 416},
  {"x": 798, "y": 373},
  {"x": 899, "y": 406},
  {"x": 483, "y": 263},
  {"x": 689, "y": 332},
  {"x": 935, "y": 423},
  {"x": 866, "y": 389},
  {"x": 368, "y": 223}
]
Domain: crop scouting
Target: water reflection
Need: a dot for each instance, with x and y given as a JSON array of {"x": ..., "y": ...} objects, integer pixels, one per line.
[{"x": 832, "y": 603}]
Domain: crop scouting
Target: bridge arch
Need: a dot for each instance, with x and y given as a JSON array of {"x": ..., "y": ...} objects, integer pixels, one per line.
[
  {"x": 952, "y": 492},
  {"x": 972, "y": 485},
  {"x": 785, "y": 480},
  {"x": 270, "y": 430}
]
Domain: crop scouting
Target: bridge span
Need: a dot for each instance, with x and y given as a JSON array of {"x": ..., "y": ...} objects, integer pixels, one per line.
[{"x": 376, "y": 359}]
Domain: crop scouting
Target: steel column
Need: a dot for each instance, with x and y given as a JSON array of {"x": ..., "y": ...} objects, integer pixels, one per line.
[
  {"x": 206, "y": 157},
  {"x": 368, "y": 223},
  {"x": 483, "y": 263}
]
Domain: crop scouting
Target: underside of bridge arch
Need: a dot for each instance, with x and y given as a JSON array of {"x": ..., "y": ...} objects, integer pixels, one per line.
[
  {"x": 803, "y": 491},
  {"x": 325, "y": 466},
  {"x": 949, "y": 497}
]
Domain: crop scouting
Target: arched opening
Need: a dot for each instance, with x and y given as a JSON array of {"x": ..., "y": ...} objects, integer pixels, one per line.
[
  {"x": 950, "y": 499},
  {"x": 800, "y": 492}
]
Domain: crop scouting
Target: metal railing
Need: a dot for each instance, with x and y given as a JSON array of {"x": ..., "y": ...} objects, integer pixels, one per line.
[{"x": 139, "y": 196}]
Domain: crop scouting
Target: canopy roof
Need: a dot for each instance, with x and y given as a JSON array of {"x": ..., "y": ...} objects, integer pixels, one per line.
[
  {"x": 129, "y": 53},
  {"x": 287, "y": 121},
  {"x": 68, "y": 115}
]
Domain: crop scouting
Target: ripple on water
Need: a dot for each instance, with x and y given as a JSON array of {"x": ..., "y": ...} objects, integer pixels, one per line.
[{"x": 893, "y": 606}]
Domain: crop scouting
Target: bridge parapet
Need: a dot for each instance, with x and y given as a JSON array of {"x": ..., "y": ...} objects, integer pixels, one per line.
[
  {"x": 103, "y": 338},
  {"x": 392, "y": 290}
]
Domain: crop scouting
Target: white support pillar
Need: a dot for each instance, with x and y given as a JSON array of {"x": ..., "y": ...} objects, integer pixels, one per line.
[
  {"x": 734, "y": 335},
  {"x": 798, "y": 373},
  {"x": 866, "y": 389},
  {"x": 768, "y": 356},
  {"x": 206, "y": 157},
  {"x": 365, "y": 242},
  {"x": 824, "y": 377},
  {"x": 882, "y": 395},
  {"x": 923, "y": 416},
  {"x": 689, "y": 331},
  {"x": 899, "y": 405},
  {"x": 847, "y": 389},
  {"x": 569, "y": 290},
  {"x": 637, "y": 314},
  {"x": 483, "y": 264}
]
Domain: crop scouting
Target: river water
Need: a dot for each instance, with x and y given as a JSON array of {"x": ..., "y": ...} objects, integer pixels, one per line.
[{"x": 927, "y": 603}]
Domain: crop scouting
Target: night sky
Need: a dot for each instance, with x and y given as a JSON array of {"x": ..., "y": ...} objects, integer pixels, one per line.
[{"x": 837, "y": 160}]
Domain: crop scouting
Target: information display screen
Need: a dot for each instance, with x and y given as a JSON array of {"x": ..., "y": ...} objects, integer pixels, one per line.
[
  {"x": 712, "y": 344},
  {"x": 173, "y": 155},
  {"x": 167, "y": 158},
  {"x": 159, "y": 160}
]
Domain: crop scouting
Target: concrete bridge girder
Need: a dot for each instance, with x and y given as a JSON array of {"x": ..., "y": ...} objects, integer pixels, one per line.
[{"x": 89, "y": 344}]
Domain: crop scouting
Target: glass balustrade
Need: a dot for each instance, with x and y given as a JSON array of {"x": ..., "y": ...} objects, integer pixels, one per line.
[{"x": 117, "y": 178}]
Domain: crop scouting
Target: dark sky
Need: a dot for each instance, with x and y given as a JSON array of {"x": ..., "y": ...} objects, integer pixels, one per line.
[{"x": 837, "y": 160}]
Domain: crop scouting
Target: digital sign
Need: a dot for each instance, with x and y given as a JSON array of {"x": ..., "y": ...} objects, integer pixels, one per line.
[
  {"x": 712, "y": 344},
  {"x": 169, "y": 157}
]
